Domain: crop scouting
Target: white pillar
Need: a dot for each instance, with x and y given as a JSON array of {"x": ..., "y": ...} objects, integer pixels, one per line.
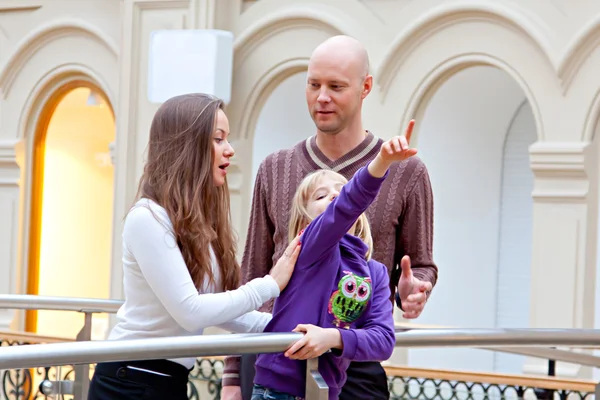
[
  {"x": 563, "y": 270},
  {"x": 9, "y": 224}
]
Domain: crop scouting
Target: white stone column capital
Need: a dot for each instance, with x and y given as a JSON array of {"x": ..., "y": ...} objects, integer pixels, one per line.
[
  {"x": 563, "y": 171},
  {"x": 557, "y": 154}
]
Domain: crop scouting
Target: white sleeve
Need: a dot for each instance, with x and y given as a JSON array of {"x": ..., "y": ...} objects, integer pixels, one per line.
[
  {"x": 252, "y": 322},
  {"x": 153, "y": 246}
]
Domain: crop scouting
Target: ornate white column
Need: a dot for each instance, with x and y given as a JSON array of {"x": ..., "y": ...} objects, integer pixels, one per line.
[
  {"x": 9, "y": 224},
  {"x": 563, "y": 267}
]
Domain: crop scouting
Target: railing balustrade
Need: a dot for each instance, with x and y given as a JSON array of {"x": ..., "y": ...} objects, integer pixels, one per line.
[{"x": 83, "y": 352}]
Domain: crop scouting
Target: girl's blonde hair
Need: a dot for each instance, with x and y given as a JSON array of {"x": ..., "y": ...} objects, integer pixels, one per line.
[{"x": 300, "y": 218}]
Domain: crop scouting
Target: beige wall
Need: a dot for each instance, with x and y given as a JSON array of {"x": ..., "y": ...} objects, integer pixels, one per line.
[{"x": 550, "y": 49}]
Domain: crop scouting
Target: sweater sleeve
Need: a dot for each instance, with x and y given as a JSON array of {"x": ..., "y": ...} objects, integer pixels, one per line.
[
  {"x": 257, "y": 260},
  {"x": 152, "y": 244},
  {"x": 326, "y": 231},
  {"x": 415, "y": 236},
  {"x": 377, "y": 337}
]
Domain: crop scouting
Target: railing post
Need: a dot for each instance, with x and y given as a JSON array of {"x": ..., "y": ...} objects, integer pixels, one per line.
[
  {"x": 82, "y": 371},
  {"x": 316, "y": 388}
]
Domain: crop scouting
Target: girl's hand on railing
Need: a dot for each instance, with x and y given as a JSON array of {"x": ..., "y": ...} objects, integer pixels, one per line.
[{"x": 315, "y": 342}]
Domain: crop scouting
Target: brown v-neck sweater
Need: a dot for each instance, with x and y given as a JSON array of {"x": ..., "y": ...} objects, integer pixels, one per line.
[{"x": 401, "y": 216}]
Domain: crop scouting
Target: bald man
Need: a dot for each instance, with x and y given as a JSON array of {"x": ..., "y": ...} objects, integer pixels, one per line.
[{"x": 401, "y": 217}]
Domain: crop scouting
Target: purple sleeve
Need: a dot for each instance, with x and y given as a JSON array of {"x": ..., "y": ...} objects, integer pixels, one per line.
[
  {"x": 326, "y": 231},
  {"x": 377, "y": 337}
]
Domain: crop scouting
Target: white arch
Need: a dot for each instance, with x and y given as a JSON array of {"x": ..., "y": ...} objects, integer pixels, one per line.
[
  {"x": 451, "y": 14},
  {"x": 584, "y": 42},
  {"x": 267, "y": 19},
  {"x": 46, "y": 34},
  {"x": 426, "y": 88},
  {"x": 263, "y": 88},
  {"x": 28, "y": 121},
  {"x": 592, "y": 119},
  {"x": 48, "y": 84},
  {"x": 288, "y": 19}
]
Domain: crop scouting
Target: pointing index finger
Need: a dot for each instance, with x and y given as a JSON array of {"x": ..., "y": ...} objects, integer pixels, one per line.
[{"x": 409, "y": 130}]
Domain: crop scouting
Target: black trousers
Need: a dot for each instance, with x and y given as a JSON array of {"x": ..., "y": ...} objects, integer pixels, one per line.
[
  {"x": 162, "y": 379},
  {"x": 366, "y": 380}
]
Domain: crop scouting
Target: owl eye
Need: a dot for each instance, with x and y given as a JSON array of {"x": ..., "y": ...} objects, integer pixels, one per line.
[
  {"x": 349, "y": 287},
  {"x": 364, "y": 291}
]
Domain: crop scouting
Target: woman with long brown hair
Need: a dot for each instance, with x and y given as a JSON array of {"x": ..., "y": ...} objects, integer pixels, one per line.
[{"x": 179, "y": 252}]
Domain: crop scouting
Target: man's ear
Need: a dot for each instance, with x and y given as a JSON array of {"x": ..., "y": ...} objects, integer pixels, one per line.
[{"x": 367, "y": 86}]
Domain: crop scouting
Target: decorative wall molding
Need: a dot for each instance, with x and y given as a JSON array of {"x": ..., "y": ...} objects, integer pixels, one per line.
[
  {"x": 7, "y": 148},
  {"x": 48, "y": 33},
  {"x": 286, "y": 20},
  {"x": 203, "y": 14},
  {"x": 48, "y": 84},
  {"x": 577, "y": 52},
  {"x": 15, "y": 9},
  {"x": 592, "y": 119},
  {"x": 455, "y": 13},
  {"x": 427, "y": 88},
  {"x": 20, "y": 8},
  {"x": 562, "y": 170},
  {"x": 566, "y": 159},
  {"x": 9, "y": 169},
  {"x": 262, "y": 89},
  {"x": 158, "y": 4}
]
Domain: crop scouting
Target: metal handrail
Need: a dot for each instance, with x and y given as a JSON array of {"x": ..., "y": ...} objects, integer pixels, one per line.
[
  {"x": 32, "y": 302},
  {"x": 496, "y": 338},
  {"x": 54, "y": 354},
  {"x": 89, "y": 352},
  {"x": 88, "y": 305},
  {"x": 537, "y": 352}
]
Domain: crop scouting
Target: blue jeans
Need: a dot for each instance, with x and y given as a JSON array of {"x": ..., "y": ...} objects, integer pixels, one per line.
[{"x": 262, "y": 393}]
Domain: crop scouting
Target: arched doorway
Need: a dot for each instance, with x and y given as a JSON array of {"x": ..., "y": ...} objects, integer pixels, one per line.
[
  {"x": 71, "y": 206},
  {"x": 283, "y": 121},
  {"x": 474, "y": 137}
]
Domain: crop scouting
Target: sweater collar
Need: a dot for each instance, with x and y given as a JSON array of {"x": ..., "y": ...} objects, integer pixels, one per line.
[{"x": 317, "y": 157}]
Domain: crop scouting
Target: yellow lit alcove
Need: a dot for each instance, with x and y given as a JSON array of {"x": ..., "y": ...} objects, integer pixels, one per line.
[{"x": 72, "y": 211}]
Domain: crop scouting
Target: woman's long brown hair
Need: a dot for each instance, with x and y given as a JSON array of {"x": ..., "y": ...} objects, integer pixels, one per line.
[{"x": 179, "y": 177}]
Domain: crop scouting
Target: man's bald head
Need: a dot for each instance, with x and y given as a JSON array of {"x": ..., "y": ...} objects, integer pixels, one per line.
[
  {"x": 343, "y": 50},
  {"x": 337, "y": 82}
]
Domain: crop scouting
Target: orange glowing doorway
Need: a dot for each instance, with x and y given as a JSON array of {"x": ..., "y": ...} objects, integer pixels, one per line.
[{"x": 71, "y": 206}]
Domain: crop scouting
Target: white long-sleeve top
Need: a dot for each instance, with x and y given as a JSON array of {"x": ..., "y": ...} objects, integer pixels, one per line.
[{"x": 161, "y": 298}]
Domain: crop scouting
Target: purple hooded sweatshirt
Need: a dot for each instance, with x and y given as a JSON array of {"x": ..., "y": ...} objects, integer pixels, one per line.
[{"x": 334, "y": 286}]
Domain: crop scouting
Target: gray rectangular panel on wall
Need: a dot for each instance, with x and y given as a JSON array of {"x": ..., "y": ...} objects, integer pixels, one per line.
[{"x": 515, "y": 237}]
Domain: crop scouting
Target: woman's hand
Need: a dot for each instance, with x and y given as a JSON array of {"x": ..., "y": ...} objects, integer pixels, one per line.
[
  {"x": 282, "y": 271},
  {"x": 315, "y": 342}
]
